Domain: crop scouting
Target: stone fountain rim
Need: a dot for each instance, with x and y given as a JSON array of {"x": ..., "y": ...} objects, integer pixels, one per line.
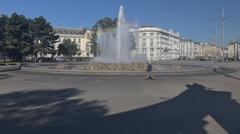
[{"x": 85, "y": 72}]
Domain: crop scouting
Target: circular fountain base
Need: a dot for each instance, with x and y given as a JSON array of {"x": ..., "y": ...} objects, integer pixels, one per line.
[
  {"x": 123, "y": 67},
  {"x": 159, "y": 68}
]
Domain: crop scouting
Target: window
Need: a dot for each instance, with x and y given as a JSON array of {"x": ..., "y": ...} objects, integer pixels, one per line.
[
  {"x": 151, "y": 49},
  {"x": 144, "y": 34},
  {"x": 151, "y": 42},
  {"x": 151, "y": 34},
  {"x": 79, "y": 40},
  {"x": 151, "y": 55},
  {"x": 87, "y": 47},
  {"x": 164, "y": 39},
  {"x": 144, "y": 49},
  {"x": 78, "y": 47},
  {"x": 144, "y": 42},
  {"x": 88, "y": 36}
]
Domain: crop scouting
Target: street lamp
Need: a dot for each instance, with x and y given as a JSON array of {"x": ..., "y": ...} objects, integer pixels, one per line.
[
  {"x": 221, "y": 19},
  {"x": 41, "y": 53}
]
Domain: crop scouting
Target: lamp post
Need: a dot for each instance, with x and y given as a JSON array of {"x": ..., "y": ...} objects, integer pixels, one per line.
[
  {"x": 41, "y": 51},
  {"x": 222, "y": 19},
  {"x": 1, "y": 52},
  {"x": 236, "y": 51}
]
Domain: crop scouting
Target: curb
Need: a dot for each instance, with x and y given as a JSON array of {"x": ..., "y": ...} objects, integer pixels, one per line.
[
  {"x": 10, "y": 68},
  {"x": 54, "y": 71}
]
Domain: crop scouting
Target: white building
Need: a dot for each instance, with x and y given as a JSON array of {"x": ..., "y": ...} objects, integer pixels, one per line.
[
  {"x": 187, "y": 48},
  {"x": 157, "y": 44},
  {"x": 82, "y": 37},
  {"x": 199, "y": 49},
  {"x": 234, "y": 50}
]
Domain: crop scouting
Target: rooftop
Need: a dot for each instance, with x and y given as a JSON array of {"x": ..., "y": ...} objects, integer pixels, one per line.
[
  {"x": 154, "y": 28},
  {"x": 71, "y": 31}
]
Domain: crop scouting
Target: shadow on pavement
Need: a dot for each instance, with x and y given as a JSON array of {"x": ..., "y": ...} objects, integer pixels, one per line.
[
  {"x": 47, "y": 112},
  {"x": 57, "y": 112}
]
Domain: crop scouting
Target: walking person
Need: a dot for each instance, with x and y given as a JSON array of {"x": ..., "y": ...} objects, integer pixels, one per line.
[{"x": 149, "y": 71}]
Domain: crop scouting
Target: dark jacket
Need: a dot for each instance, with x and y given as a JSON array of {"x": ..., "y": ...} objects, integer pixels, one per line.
[{"x": 149, "y": 67}]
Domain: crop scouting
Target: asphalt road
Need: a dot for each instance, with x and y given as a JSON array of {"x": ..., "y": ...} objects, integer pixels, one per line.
[{"x": 64, "y": 104}]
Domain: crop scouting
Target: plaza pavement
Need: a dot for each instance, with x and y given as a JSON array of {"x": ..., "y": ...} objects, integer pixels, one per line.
[{"x": 64, "y": 104}]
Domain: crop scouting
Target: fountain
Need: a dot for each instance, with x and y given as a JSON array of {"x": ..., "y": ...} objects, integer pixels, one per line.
[
  {"x": 116, "y": 46},
  {"x": 115, "y": 49}
]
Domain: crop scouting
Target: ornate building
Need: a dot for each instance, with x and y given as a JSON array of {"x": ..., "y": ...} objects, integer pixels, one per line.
[
  {"x": 82, "y": 37},
  {"x": 156, "y": 43}
]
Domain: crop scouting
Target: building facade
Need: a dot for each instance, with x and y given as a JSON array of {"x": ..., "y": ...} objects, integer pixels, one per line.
[
  {"x": 199, "y": 49},
  {"x": 82, "y": 37},
  {"x": 187, "y": 49},
  {"x": 234, "y": 51},
  {"x": 156, "y": 43},
  {"x": 211, "y": 52}
]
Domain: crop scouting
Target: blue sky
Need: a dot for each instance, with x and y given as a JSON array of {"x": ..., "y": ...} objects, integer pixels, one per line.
[{"x": 185, "y": 16}]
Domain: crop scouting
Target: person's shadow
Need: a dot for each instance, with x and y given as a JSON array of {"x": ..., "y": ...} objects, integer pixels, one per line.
[
  {"x": 58, "y": 111},
  {"x": 183, "y": 114}
]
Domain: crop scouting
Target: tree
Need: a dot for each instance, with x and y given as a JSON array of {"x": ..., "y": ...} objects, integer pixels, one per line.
[
  {"x": 53, "y": 52},
  {"x": 67, "y": 48},
  {"x": 20, "y": 37},
  {"x": 3, "y": 20},
  {"x": 105, "y": 23},
  {"x": 43, "y": 36},
  {"x": 16, "y": 37},
  {"x": 94, "y": 43}
]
